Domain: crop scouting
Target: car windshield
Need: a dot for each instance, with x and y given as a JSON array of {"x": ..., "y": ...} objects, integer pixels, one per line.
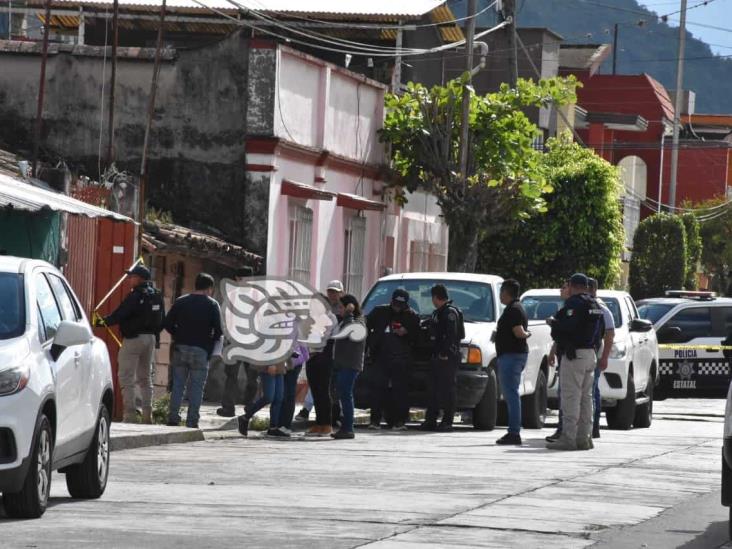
[
  {"x": 475, "y": 299},
  {"x": 12, "y": 306},
  {"x": 541, "y": 307},
  {"x": 653, "y": 311}
]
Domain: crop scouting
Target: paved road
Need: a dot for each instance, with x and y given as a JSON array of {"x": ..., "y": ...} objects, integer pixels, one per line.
[{"x": 386, "y": 490}]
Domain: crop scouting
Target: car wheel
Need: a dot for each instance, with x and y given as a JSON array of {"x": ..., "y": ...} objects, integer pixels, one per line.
[
  {"x": 621, "y": 416},
  {"x": 484, "y": 414},
  {"x": 88, "y": 480},
  {"x": 533, "y": 407},
  {"x": 729, "y": 524},
  {"x": 644, "y": 412},
  {"x": 32, "y": 500}
]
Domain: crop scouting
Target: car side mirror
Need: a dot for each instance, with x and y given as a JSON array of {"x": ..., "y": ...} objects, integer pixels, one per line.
[
  {"x": 70, "y": 334},
  {"x": 640, "y": 325},
  {"x": 669, "y": 334}
]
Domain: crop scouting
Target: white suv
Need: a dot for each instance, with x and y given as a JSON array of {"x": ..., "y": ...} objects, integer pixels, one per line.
[{"x": 56, "y": 391}]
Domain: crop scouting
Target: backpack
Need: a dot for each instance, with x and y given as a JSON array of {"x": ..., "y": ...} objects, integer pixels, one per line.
[
  {"x": 461, "y": 321},
  {"x": 152, "y": 310}
]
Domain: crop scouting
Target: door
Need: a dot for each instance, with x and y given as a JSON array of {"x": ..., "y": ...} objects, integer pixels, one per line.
[
  {"x": 644, "y": 351},
  {"x": 87, "y": 404},
  {"x": 64, "y": 368}
]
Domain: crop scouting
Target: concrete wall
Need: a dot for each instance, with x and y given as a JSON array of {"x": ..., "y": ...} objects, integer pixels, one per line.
[{"x": 197, "y": 141}]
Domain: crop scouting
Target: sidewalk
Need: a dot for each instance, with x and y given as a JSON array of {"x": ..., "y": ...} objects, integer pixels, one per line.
[{"x": 128, "y": 436}]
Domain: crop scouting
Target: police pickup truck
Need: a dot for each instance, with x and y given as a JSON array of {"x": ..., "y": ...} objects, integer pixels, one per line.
[
  {"x": 478, "y": 394},
  {"x": 627, "y": 386},
  {"x": 690, "y": 328}
]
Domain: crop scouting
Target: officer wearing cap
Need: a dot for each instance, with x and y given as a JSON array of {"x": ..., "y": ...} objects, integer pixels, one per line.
[
  {"x": 393, "y": 330},
  {"x": 140, "y": 319},
  {"x": 577, "y": 329}
]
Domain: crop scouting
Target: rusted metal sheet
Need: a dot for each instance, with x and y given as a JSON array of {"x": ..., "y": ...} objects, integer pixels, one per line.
[{"x": 81, "y": 267}]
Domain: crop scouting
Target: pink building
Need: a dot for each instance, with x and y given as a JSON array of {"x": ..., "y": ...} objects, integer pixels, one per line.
[{"x": 313, "y": 142}]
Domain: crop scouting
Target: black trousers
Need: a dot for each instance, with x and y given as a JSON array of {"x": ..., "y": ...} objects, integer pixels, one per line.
[
  {"x": 319, "y": 371},
  {"x": 230, "y": 396},
  {"x": 390, "y": 390},
  {"x": 444, "y": 394}
]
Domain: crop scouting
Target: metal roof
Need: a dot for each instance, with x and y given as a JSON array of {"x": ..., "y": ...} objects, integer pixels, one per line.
[
  {"x": 339, "y": 8},
  {"x": 18, "y": 195}
]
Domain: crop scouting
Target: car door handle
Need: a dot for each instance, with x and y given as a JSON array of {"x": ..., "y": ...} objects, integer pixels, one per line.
[{"x": 77, "y": 359}]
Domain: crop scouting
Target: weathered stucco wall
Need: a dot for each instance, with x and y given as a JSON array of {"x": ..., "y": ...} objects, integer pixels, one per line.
[{"x": 197, "y": 161}]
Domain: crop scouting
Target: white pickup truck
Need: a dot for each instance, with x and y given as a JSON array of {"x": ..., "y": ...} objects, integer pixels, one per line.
[
  {"x": 627, "y": 385},
  {"x": 478, "y": 393}
]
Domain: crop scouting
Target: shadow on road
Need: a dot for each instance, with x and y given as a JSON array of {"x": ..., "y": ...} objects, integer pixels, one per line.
[{"x": 706, "y": 539}]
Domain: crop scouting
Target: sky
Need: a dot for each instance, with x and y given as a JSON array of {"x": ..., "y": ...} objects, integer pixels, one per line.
[{"x": 717, "y": 13}]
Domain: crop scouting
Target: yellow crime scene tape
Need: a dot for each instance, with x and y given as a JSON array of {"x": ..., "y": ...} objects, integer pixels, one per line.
[
  {"x": 95, "y": 314},
  {"x": 674, "y": 347}
]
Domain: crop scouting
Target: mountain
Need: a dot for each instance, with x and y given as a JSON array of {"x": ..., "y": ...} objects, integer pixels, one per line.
[{"x": 645, "y": 43}]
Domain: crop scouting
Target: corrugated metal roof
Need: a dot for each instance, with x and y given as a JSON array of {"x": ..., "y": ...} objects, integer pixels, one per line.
[
  {"x": 19, "y": 195},
  {"x": 355, "y": 8}
]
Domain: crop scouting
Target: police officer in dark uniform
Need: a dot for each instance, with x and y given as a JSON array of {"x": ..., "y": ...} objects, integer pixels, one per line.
[
  {"x": 448, "y": 332},
  {"x": 393, "y": 331},
  {"x": 577, "y": 329}
]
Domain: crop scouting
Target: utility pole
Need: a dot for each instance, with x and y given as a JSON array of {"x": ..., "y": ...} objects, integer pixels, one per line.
[
  {"x": 41, "y": 88},
  {"x": 615, "y": 48},
  {"x": 464, "y": 130},
  {"x": 150, "y": 114},
  {"x": 509, "y": 14},
  {"x": 677, "y": 108},
  {"x": 113, "y": 80}
]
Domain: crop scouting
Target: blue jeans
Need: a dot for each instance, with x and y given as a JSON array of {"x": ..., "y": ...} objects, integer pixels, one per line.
[
  {"x": 596, "y": 399},
  {"x": 510, "y": 366},
  {"x": 190, "y": 364},
  {"x": 345, "y": 380},
  {"x": 287, "y": 409},
  {"x": 272, "y": 390}
]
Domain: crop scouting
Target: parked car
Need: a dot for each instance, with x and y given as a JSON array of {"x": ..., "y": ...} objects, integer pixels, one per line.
[
  {"x": 55, "y": 390},
  {"x": 727, "y": 459},
  {"x": 689, "y": 326},
  {"x": 477, "y": 295},
  {"x": 627, "y": 386}
]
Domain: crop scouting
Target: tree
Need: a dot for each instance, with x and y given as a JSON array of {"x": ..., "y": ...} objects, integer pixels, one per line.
[
  {"x": 716, "y": 235},
  {"x": 693, "y": 249},
  {"x": 505, "y": 175},
  {"x": 581, "y": 230},
  {"x": 659, "y": 260}
]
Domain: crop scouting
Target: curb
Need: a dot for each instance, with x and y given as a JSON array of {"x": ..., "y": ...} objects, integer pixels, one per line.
[{"x": 131, "y": 442}]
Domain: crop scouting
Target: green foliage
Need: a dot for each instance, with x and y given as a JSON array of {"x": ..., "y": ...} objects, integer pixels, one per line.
[
  {"x": 693, "y": 249},
  {"x": 582, "y": 229},
  {"x": 716, "y": 234},
  {"x": 161, "y": 408},
  {"x": 505, "y": 176},
  {"x": 659, "y": 260}
]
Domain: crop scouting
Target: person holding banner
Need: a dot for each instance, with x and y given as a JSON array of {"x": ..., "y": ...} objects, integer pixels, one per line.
[{"x": 140, "y": 318}]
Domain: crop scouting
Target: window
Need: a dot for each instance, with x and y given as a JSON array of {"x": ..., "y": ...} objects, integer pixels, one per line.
[
  {"x": 353, "y": 256},
  {"x": 50, "y": 315},
  {"x": 654, "y": 311},
  {"x": 475, "y": 299},
  {"x": 12, "y": 305},
  {"x": 541, "y": 307},
  {"x": 632, "y": 308},
  {"x": 693, "y": 322},
  {"x": 301, "y": 238},
  {"x": 68, "y": 305},
  {"x": 614, "y": 306},
  {"x": 726, "y": 313}
]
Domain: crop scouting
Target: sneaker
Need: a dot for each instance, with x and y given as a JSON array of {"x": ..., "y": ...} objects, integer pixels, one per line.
[
  {"x": 192, "y": 425},
  {"x": 595, "y": 432},
  {"x": 343, "y": 435},
  {"x": 374, "y": 427},
  {"x": 277, "y": 433},
  {"x": 554, "y": 437},
  {"x": 585, "y": 444},
  {"x": 429, "y": 426},
  {"x": 302, "y": 416},
  {"x": 400, "y": 427},
  {"x": 243, "y": 425},
  {"x": 509, "y": 439},
  {"x": 285, "y": 430},
  {"x": 562, "y": 444},
  {"x": 444, "y": 428},
  {"x": 172, "y": 423},
  {"x": 225, "y": 412}
]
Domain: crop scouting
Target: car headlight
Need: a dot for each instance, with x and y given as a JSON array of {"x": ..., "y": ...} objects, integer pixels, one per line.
[
  {"x": 618, "y": 350},
  {"x": 470, "y": 354},
  {"x": 14, "y": 379}
]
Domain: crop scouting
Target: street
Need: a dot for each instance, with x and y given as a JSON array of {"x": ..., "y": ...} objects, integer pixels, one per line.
[{"x": 386, "y": 490}]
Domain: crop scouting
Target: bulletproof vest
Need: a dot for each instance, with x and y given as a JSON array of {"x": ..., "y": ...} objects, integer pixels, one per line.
[
  {"x": 589, "y": 323},
  {"x": 151, "y": 310}
]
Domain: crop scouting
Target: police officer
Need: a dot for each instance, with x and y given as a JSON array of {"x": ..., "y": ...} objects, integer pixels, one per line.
[
  {"x": 140, "y": 318},
  {"x": 393, "y": 330},
  {"x": 577, "y": 328},
  {"x": 448, "y": 332}
]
